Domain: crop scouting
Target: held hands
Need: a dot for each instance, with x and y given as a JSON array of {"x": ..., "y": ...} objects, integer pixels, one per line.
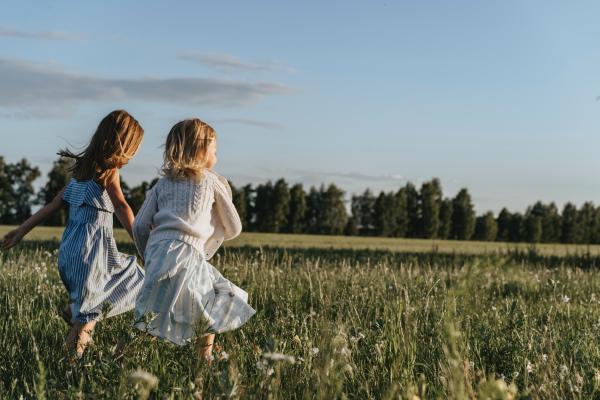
[{"x": 11, "y": 239}]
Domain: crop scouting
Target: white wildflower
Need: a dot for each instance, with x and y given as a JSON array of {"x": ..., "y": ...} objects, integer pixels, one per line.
[
  {"x": 261, "y": 365},
  {"x": 344, "y": 351},
  {"x": 578, "y": 380},
  {"x": 544, "y": 357},
  {"x": 279, "y": 357},
  {"x": 529, "y": 367},
  {"x": 356, "y": 339},
  {"x": 565, "y": 298},
  {"x": 564, "y": 370},
  {"x": 314, "y": 351}
]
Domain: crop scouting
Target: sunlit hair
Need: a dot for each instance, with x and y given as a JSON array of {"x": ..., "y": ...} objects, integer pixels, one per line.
[
  {"x": 186, "y": 152},
  {"x": 114, "y": 143}
]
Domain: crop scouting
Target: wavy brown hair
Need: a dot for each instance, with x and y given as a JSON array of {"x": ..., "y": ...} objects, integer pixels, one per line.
[
  {"x": 115, "y": 142},
  {"x": 186, "y": 148}
]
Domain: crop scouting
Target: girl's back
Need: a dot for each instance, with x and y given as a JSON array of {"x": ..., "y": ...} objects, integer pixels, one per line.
[
  {"x": 88, "y": 203},
  {"x": 183, "y": 209}
]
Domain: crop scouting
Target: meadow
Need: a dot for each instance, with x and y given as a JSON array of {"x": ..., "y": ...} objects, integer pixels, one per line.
[{"x": 357, "y": 318}]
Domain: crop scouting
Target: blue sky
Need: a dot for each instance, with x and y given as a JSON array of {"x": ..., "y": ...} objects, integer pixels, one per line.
[{"x": 499, "y": 97}]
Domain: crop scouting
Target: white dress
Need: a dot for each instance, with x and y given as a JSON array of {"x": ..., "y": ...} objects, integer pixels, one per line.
[{"x": 183, "y": 295}]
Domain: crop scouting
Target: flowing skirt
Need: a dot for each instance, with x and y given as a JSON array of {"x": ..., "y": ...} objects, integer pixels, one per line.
[
  {"x": 101, "y": 281},
  {"x": 184, "y": 295}
]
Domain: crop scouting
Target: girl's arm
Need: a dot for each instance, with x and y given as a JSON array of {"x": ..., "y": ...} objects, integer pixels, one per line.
[
  {"x": 143, "y": 221},
  {"x": 226, "y": 209},
  {"x": 13, "y": 237},
  {"x": 122, "y": 209}
]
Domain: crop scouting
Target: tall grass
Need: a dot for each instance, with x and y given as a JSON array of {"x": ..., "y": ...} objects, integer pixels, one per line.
[{"x": 330, "y": 324}]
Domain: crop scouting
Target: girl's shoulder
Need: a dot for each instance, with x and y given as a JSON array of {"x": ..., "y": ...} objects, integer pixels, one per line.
[
  {"x": 87, "y": 192},
  {"x": 166, "y": 184},
  {"x": 215, "y": 177}
]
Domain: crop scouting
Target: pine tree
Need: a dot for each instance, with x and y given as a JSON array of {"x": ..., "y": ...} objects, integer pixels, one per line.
[
  {"x": 463, "y": 216},
  {"x": 313, "y": 206},
  {"x": 486, "y": 227},
  {"x": 332, "y": 214},
  {"x": 570, "y": 232},
  {"x": 248, "y": 197},
  {"x": 430, "y": 201},
  {"x": 402, "y": 216},
  {"x": 445, "y": 219},
  {"x": 362, "y": 212},
  {"x": 551, "y": 224},
  {"x": 263, "y": 206},
  {"x": 586, "y": 220},
  {"x": 297, "y": 214},
  {"x": 385, "y": 214},
  {"x": 504, "y": 225},
  {"x": 533, "y": 228},
  {"x": 516, "y": 228},
  {"x": 281, "y": 205},
  {"x": 413, "y": 211}
]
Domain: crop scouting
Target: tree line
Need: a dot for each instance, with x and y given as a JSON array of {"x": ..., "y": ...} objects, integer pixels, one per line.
[{"x": 279, "y": 207}]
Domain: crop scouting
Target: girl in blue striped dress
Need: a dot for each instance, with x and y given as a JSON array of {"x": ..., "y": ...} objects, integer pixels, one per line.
[{"x": 97, "y": 277}]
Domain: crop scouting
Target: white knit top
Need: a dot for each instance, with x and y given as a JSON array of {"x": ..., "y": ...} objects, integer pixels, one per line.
[{"x": 199, "y": 212}]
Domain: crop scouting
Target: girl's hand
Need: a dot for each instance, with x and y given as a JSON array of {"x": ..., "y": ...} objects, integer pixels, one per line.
[{"x": 11, "y": 239}]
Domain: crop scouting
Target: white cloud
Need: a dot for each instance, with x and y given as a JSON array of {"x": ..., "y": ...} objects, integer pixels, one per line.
[
  {"x": 350, "y": 182},
  {"x": 46, "y": 35},
  {"x": 38, "y": 90},
  {"x": 228, "y": 63}
]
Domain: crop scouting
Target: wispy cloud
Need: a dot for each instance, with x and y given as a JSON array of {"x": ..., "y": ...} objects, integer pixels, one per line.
[
  {"x": 228, "y": 63},
  {"x": 354, "y": 177},
  {"x": 351, "y": 182},
  {"x": 43, "y": 35},
  {"x": 252, "y": 122},
  {"x": 46, "y": 89}
]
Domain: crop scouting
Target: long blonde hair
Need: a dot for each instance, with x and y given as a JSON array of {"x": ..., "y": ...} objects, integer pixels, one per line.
[
  {"x": 186, "y": 149},
  {"x": 115, "y": 142}
]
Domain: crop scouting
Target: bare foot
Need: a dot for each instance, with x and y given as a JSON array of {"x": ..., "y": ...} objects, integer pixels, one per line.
[
  {"x": 204, "y": 347},
  {"x": 84, "y": 340},
  {"x": 79, "y": 338}
]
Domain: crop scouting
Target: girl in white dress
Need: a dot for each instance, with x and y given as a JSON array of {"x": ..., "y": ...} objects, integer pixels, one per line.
[{"x": 185, "y": 218}]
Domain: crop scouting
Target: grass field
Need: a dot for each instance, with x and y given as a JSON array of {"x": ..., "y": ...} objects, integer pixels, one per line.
[
  {"x": 331, "y": 323},
  {"x": 357, "y": 243}
]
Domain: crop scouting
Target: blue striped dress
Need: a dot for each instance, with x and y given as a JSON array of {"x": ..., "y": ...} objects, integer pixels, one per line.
[{"x": 101, "y": 281}]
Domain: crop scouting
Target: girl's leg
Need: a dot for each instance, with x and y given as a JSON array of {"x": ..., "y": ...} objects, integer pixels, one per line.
[
  {"x": 80, "y": 337},
  {"x": 84, "y": 337},
  {"x": 204, "y": 347},
  {"x": 66, "y": 314},
  {"x": 71, "y": 339}
]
